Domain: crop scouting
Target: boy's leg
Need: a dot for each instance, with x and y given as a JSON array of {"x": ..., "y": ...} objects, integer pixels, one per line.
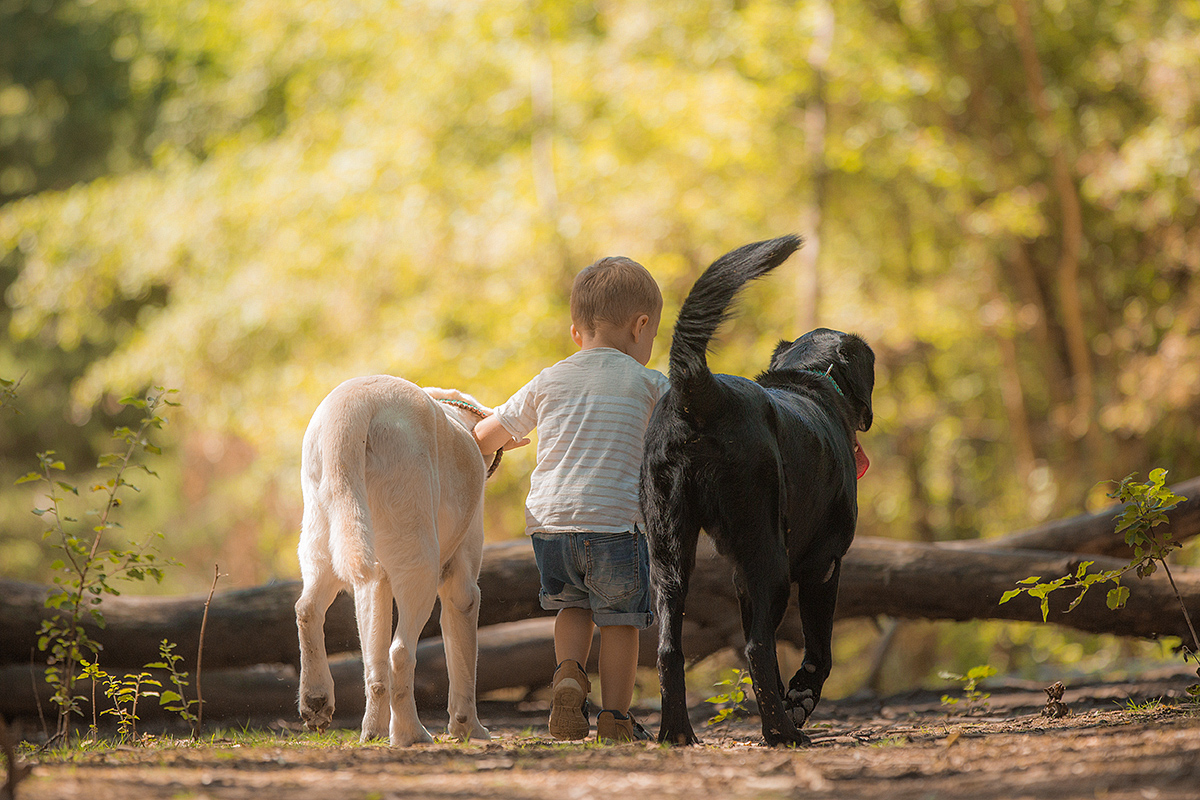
[
  {"x": 618, "y": 666},
  {"x": 573, "y": 631},
  {"x": 558, "y": 563},
  {"x": 572, "y": 643},
  {"x": 620, "y": 579}
]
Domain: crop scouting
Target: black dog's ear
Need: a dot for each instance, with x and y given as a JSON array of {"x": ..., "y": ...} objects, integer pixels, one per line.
[
  {"x": 857, "y": 361},
  {"x": 783, "y": 346}
]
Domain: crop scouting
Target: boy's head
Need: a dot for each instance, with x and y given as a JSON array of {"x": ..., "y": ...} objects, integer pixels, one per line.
[{"x": 613, "y": 291}]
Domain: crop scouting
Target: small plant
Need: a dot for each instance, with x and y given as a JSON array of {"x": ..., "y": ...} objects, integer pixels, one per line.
[
  {"x": 1148, "y": 504},
  {"x": 172, "y": 699},
  {"x": 125, "y": 692},
  {"x": 732, "y": 702},
  {"x": 87, "y": 570},
  {"x": 974, "y": 697},
  {"x": 1152, "y": 706}
]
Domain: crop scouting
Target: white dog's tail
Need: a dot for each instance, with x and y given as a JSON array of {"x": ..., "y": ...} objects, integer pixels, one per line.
[{"x": 344, "y": 490}]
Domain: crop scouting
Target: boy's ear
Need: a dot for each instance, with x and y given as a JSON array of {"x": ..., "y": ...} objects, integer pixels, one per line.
[
  {"x": 639, "y": 325},
  {"x": 576, "y": 336}
]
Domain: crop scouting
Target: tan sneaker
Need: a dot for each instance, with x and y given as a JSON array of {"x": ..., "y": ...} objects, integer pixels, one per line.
[
  {"x": 613, "y": 726},
  {"x": 568, "y": 708}
]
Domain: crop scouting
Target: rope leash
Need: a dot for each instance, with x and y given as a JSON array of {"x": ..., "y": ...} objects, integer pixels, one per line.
[{"x": 479, "y": 412}]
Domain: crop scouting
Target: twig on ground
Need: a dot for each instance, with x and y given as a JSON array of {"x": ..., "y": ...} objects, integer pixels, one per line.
[{"x": 200, "y": 653}]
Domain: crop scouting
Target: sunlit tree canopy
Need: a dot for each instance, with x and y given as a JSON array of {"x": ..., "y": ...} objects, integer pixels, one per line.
[{"x": 252, "y": 201}]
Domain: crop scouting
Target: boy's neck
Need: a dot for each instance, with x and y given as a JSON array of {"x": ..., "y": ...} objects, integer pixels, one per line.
[
  {"x": 635, "y": 339},
  {"x": 603, "y": 338}
]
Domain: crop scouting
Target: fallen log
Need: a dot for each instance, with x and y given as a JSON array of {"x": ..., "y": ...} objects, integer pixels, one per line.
[
  {"x": 1095, "y": 533},
  {"x": 879, "y": 577},
  {"x": 262, "y": 615}
]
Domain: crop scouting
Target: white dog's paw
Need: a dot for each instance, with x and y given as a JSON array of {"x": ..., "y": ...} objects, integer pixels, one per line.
[
  {"x": 800, "y": 704},
  {"x": 465, "y": 727},
  {"x": 317, "y": 711},
  {"x": 407, "y": 737},
  {"x": 370, "y": 732}
]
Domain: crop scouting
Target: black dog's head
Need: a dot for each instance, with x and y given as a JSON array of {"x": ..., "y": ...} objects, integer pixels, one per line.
[{"x": 843, "y": 356}]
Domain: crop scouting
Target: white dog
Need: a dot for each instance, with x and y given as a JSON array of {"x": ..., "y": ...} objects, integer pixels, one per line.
[{"x": 393, "y": 510}]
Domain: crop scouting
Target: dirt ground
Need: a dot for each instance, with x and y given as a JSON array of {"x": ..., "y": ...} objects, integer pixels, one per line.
[{"x": 899, "y": 748}]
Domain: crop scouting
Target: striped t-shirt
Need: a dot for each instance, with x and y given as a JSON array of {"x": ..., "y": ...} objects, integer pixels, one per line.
[{"x": 590, "y": 410}]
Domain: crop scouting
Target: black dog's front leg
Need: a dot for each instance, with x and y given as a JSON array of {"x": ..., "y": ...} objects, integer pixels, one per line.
[{"x": 817, "y": 600}]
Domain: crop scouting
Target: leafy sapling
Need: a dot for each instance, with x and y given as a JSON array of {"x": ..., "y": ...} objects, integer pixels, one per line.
[
  {"x": 732, "y": 702},
  {"x": 173, "y": 699},
  {"x": 975, "y": 698},
  {"x": 88, "y": 568},
  {"x": 125, "y": 691},
  {"x": 1146, "y": 508}
]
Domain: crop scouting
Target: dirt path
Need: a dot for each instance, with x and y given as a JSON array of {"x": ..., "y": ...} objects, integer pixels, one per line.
[{"x": 901, "y": 748}]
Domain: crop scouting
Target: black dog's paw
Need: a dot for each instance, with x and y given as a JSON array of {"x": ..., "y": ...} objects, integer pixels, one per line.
[
  {"x": 678, "y": 736},
  {"x": 794, "y": 738},
  {"x": 799, "y": 705}
]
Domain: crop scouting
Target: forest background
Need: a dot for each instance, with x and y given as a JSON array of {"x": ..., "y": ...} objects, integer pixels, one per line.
[{"x": 251, "y": 201}]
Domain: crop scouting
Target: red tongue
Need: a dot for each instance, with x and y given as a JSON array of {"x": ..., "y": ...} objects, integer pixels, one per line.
[{"x": 860, "y": 458}]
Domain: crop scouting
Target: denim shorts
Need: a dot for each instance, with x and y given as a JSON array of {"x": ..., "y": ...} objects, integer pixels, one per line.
[{"x": 608, "y": 573}]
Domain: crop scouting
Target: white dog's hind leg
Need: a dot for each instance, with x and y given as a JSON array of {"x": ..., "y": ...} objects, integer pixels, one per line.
[
  {"x": 373, "y": 610},
  {"x": 316, "y": 682},
  {"x": 415, "y": 590},
  {"x": 460, "y": 618}
]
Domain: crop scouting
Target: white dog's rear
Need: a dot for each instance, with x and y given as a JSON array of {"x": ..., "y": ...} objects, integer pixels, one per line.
[{"x": 393, "y": 510}]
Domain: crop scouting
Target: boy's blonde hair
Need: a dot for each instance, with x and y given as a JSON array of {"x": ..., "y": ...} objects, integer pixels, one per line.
[{"x": 613, "y": 290}]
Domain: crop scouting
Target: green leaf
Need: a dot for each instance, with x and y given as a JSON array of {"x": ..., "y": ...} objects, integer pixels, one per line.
[
  {"x": 1009, "y": 595},
  {"x": 1117, "y": 597},
  {"x": 981, "y": 672}
]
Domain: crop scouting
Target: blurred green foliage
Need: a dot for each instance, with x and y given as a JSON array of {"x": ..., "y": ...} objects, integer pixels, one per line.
[{"x": 256, "y": 200}]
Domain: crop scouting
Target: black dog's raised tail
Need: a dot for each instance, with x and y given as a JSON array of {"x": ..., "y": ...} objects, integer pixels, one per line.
[{"x": 708, "y": 304}]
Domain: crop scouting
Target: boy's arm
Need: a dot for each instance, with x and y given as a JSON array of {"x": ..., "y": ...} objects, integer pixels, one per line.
[{"x": 491, "y": 436}]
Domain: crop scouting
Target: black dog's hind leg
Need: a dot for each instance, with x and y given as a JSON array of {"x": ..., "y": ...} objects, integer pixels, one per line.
[
  {"x": 818, "y": 596},
  {"x": 673, "y": 556},
  {"x": 763, "y": 602}
]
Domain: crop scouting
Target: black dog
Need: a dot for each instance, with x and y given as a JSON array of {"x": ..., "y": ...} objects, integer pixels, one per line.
[{"x": 769, "y": 469}]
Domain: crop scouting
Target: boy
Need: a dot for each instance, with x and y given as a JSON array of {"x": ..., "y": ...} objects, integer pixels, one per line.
[{"x": 591, "y": 411}]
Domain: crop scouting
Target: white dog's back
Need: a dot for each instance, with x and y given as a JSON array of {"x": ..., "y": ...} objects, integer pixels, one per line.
[
  {"x": 376, "y": 446},
  {"x": 393, "y": 491}
]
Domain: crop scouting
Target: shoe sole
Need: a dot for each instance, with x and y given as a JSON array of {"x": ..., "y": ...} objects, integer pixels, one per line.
[{"x": 567, "y": 721}]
